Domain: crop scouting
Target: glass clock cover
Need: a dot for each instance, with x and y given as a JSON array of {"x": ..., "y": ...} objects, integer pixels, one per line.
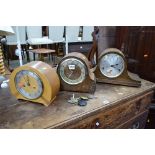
[
  {"x": 72, "y": 71},
  {"x": 112, "y": 65},
  {"x": 28, "y": 84}
]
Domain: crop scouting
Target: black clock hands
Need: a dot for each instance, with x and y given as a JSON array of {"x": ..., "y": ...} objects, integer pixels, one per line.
[
  {"x": 114, "y": 66},
  {"x": 28, "y": 80}
]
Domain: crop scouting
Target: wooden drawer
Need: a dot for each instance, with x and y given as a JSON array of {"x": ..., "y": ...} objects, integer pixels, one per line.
[
  {"x": 117, "y": 115},
  {"x": 137, "y": 122}
]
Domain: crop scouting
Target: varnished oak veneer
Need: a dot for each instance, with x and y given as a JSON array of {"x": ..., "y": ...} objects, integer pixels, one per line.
[{"x": 125, "y": 104}]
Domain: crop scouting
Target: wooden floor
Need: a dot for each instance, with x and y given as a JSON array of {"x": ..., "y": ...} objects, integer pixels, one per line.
[{"x": 15, "y": 63}]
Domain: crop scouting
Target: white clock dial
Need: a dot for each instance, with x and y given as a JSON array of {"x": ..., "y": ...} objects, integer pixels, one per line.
[
  {"x": 72, "y": 71},
  {"x": 112, "y": 65},
  {"x": 28, "y": 84}
]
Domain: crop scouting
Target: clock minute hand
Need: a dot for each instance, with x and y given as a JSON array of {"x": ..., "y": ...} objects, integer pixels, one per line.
[
  {"x": 28, "y": 80},
  {"x": 70, "y": 74},
  {"x": 115, "y": 66},
  {"x": 25, "y": 80}
]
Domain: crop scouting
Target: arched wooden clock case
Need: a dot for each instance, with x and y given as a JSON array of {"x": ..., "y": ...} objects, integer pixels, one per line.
[
  {"x": 75, "y": 74},
  {"x": 36, "y": 82},
  {"x": 112, "y": 68}
]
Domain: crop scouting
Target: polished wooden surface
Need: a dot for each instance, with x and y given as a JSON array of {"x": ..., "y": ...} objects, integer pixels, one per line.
[
  {"x": 61, "y": 114},
  {"x": 118, "y": 115},
  {"x": 41, "y": 51}
]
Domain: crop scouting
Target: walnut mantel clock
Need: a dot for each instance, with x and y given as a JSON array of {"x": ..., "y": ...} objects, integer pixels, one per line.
[
  {"x": 112, "y": 68},
  {"x": 75, "y": 73}
]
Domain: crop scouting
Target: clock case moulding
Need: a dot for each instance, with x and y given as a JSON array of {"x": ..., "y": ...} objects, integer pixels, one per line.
[
  {"x": 88, "y": 85},
  {"x": 49, "y": 78},
  {"x": 126, "y": 78}
]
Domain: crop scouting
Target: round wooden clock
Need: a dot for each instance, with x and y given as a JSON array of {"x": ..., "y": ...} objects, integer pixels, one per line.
[
  {"x": 75, "y": 74},
  {"x": 36, "y": 82},
  {"x": 112, "y": 68}
]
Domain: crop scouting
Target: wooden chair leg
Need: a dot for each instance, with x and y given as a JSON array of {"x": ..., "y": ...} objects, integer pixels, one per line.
[
  {"x": 34, "y": 58},
  {"x": 23, "y": 54},
  {"x": 52, "y": 57},
  {"x": 27, "y": 53},
  {"x": 28, "y": 56},
  {"x": 41, "y": 57},
  {"x": 49, "y": 56}
]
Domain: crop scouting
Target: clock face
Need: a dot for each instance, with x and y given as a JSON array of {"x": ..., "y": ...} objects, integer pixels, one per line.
[
  {"x": 112, "y": 65},
  {"x": 28, "y": 84},
  {"x": 72, "y": 71}
]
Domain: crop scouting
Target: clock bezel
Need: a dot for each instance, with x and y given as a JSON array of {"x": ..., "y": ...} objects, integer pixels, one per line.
[
  {"x": 124, "y": 64},
  {"x": 78, "y": 59},
  {"x": 114, "y": 51},
  {"x": 42, "y": 86}
]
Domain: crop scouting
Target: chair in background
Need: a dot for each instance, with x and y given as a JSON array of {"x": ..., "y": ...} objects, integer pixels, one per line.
[
  {"x": 87, "y": 40},
  {"x": 34, "y": 35},
  {"x": 72, "y": 35},
  {"x": 87, "y": 33},
  {"x": 12, "y": 40},
  {"x": 56, "y": 35}
]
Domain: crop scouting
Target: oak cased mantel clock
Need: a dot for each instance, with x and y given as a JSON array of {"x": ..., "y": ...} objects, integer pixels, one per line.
[
  {"x": 75, "y": 74},
  {"x": 112, "y": 68},
  {"x": 36, "y": 82}
]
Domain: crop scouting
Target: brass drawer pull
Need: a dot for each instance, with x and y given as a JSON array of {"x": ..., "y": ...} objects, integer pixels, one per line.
[{"x": 138, "y": 104}]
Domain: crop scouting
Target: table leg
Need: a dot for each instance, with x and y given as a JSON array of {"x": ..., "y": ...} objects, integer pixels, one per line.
[
  {"x": 34, "y": 58},
  {"x": 27, "y": 55},
  {"x": 41, "y": 57},
  {"x": 49, "y": 55}
]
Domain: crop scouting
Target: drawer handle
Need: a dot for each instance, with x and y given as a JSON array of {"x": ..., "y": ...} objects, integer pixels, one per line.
[
  {"x": 138, "y": 105},
  {"x": 147, "y": 107},
  {"x": 145, "y": 55},
  {"x": 97, "y": 123}
]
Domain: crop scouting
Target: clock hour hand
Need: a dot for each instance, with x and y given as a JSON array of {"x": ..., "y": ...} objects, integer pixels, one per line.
[
  {"x": 28, "y": 80},
  {"x": 25, "y": 80},
  {"x": 70, "y": 74},
  {"x": 114, "y": 66}
]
